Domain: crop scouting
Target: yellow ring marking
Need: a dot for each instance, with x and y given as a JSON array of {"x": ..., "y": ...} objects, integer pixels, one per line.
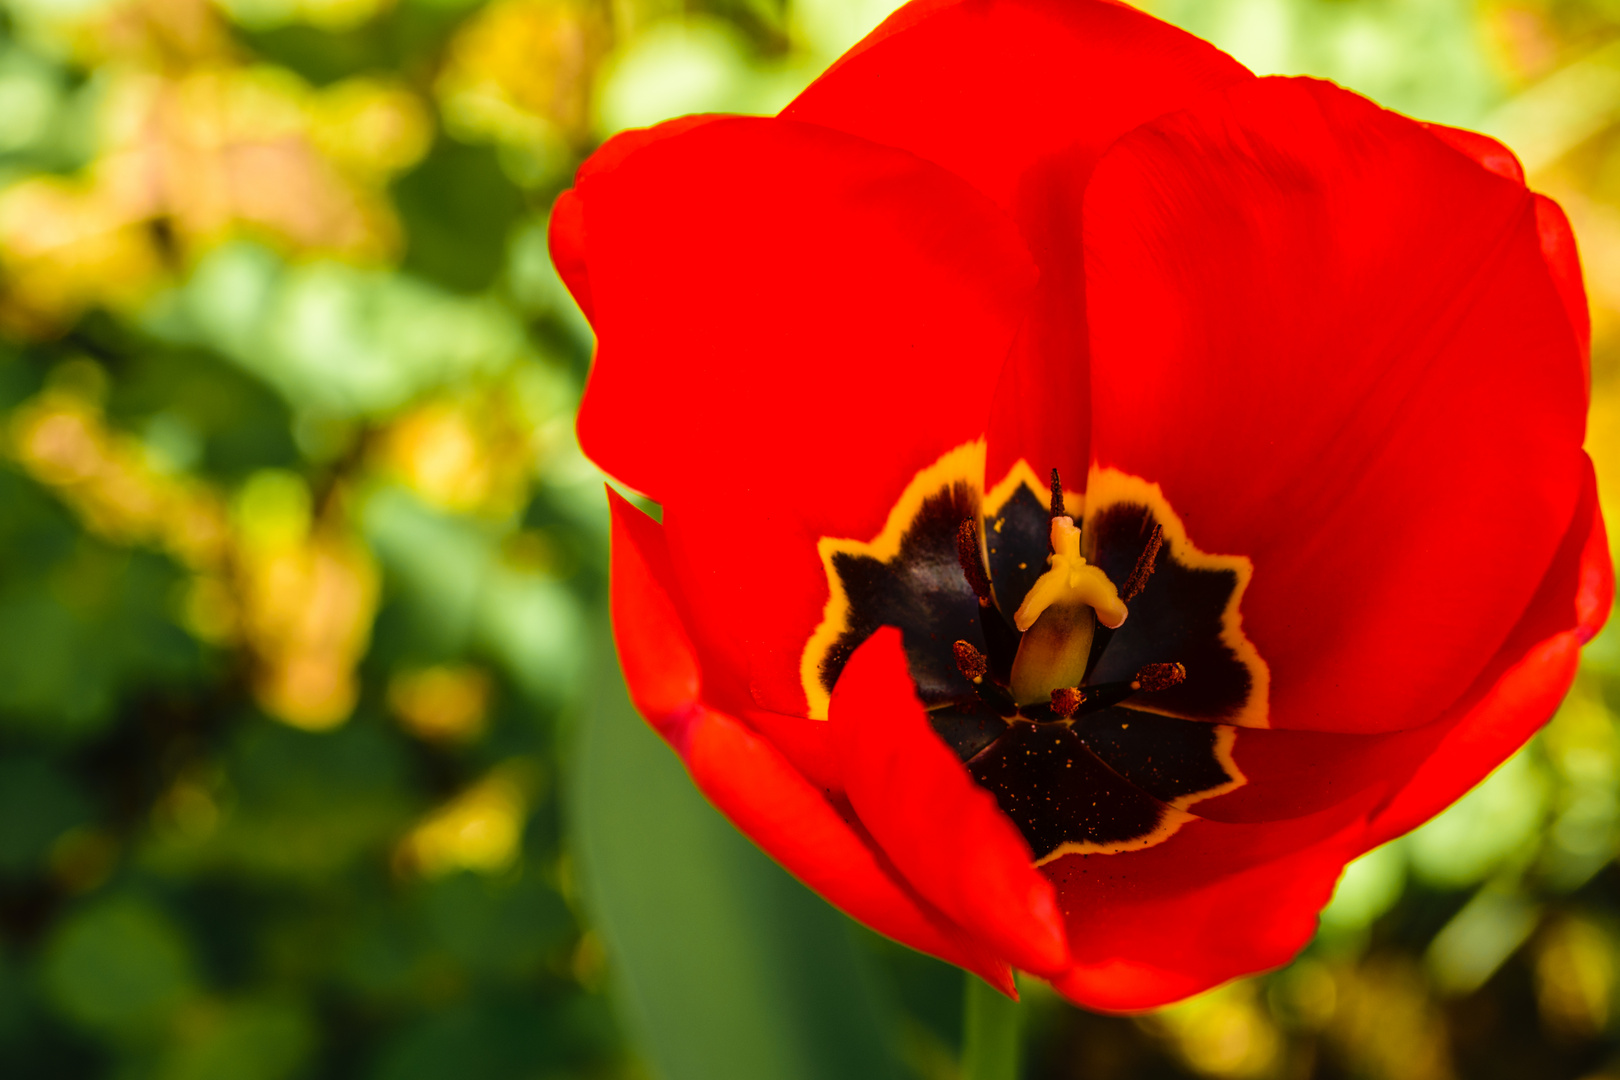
[{"x": 963, "y": 465}]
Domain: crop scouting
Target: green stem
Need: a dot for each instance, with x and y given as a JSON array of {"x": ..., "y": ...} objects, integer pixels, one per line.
[{"x": 990, "y": 1025}]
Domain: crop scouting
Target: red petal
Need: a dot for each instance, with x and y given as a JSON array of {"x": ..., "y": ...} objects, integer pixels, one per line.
[
  {"x": 1039, "y": 413},
  {"x": 566, "y": 230},
  {"x": 613, "y": 153},
  {"x": 807, "y": 743},
  {"x": 1018, "y": 97},
  {"x": 660, "y": 666},
  {"x": 565, "y": 235},
  {"x": 1021, "y": 97},
  {"x": 1482, "y": 149},
  {"x": 1520, "y": 691},
  {"x": 766, "y": 798},
  {"x": 1333, "y": 343},
  {"x": 741, "y": 773},
  {"x": 1557, "y": 240},
  {"x": 1292, "y": 773},
  {"x": 1564, "y": 263},
  {"x": 789, "y": 304},
  {"x": 791, "y": 322},
  {"x": 1212, "y": 903},
  {"x": 939, "y": 828}
]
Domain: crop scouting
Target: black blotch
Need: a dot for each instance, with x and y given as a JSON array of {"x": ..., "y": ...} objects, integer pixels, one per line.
[
  {"x": 1000, "y": 642},
  {"x": 1018, "y": 549},
  {"x": 923, "y": 592},
  {"x": 1176, "y": 618},
  {"x": 1164, "y": 756},
  {"x": 1056, "y": 791},
  {"x": 967, "y": 731}
]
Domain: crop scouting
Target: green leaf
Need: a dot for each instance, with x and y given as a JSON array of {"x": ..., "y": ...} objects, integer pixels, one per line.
[
  {"x": 118, "y": 967},
  {"x": 38, "y": 803},
  {"x": 337, "y": 340},
  {"x": 458, "y": 207},
  {"x": 728, "y": 967},
  {"x": 990, "y": 1039},
  {"x": 266, "y": 1039},
  {"x": 462, "y": 593}
]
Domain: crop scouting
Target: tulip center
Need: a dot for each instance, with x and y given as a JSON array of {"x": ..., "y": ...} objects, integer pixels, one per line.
[{"x": 1088, "y": 665}]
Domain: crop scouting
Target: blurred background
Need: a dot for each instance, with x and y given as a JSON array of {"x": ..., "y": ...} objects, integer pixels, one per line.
[{"x": 313, "y": 759}]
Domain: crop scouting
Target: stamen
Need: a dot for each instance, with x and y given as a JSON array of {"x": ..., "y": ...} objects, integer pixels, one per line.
[
  {"x": 974, "y": 665},
  {"x": 1154, "y": 677},
  {"x": 1144, "y": 565},
  {"x": 970, "y": 661},
  {"x": 1067, "y": 700},
  {"x": 1149, "y": 678},
  {"x": 1057, "y": 496},
  {"x": 967, "y": 553}
]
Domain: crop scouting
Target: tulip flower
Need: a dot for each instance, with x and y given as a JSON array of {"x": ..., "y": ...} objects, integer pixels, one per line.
[{"x": 1103, "y": 492}]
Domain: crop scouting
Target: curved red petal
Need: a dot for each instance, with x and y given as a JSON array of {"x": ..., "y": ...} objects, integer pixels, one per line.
[
  {"x": 565, "y": 235},
  {"x": 1519, "y": 692},
  {"x": 1332, "y": 341},
  {"x": 566, "y": 228},
  {"x": 807, "y": 743},
  {"x": 668, "y": 672},
  {"x": 939, "y": 828},
  {"x": 613, "y": 153},
  {"x": 1564, "y": 263},
  {"x": 742, "y": 774},
  {"x": 765, "y": 797},
  {"x": 1039, "y": 412},
  {"x": 1213, "y": 902},
  {"x": 791, "y": 323},
  {"x": 780, "y": 303},
  {"x": 660, "y": 665},
  {"x": 1557, "y": 239},
  {"x": 1293, "y": 773},
  {"x": 1482, "y": 149},
  {"x": 1020, "y": 98}
]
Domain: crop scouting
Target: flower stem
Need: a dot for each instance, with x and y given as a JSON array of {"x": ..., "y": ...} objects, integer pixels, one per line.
[{"x": 990, "y": 1024}]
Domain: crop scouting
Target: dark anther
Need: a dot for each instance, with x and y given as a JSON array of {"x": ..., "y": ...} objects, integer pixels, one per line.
[
  {"x": 1155, "y": 677},
  {"x": 967, "y": 553},
  {"x": 1057, "y": 496},
  {"x": 1148, "y": 678},
  {"x": 970, "y": 661},
  {"x": 1067, "y": 700},
  {"x": 1144, "y": 565},
  {"x": 974, "y": 666}
]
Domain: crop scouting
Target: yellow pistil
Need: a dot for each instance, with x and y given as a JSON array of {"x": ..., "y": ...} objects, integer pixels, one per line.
[
  {"x": 1059, "y": 618},
  {"x": 1070, "y": 581}
]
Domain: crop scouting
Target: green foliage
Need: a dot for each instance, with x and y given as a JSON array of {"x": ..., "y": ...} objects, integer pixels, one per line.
[
  {"x": 286, "y": 446},
  {"x": 118, "y": 967},
  {"x": 38, "y": 803},
  {"x": 82, "y": 624}
]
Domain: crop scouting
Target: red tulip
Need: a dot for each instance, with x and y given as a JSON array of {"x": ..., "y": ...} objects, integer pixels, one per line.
[{"x": 1319, "y": 551}]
